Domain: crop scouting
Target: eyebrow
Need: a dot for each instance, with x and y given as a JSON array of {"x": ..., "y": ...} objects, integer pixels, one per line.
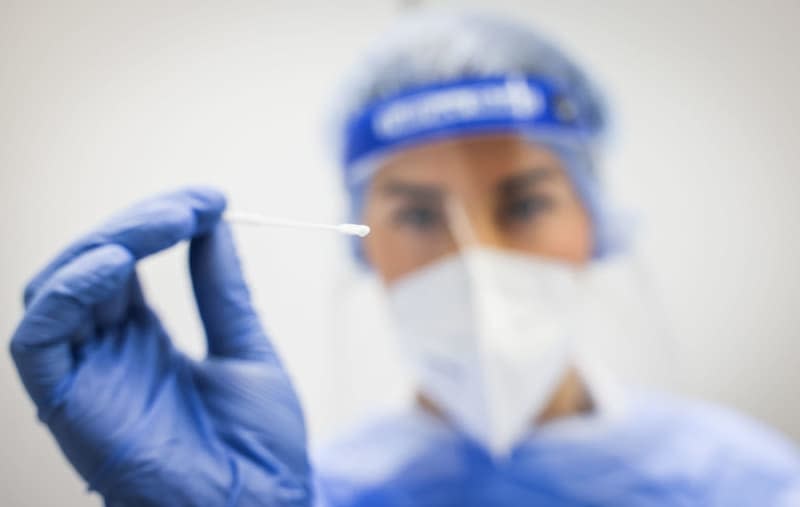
[
  {"x": 412, "y": 190},
  {"x": 530, "y": 177},
  {"x": 510, "y": 185}
]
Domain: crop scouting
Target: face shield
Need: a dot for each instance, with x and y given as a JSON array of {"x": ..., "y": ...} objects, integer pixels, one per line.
[{"x": 489, "y": 237}]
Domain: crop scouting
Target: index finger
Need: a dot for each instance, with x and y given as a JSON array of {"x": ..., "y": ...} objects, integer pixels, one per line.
[
  {"x": 41, "y": 344},
  {"x": 146, "y": 228}
]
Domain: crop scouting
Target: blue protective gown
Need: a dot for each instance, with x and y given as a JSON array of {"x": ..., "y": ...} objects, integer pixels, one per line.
[{"x": 653, "y": 450}]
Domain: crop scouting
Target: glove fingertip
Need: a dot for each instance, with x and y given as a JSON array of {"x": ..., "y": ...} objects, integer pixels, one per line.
[{"x": 208, "y": 203}]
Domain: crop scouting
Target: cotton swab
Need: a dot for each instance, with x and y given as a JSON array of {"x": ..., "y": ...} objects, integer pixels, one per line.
[{"x": 247, "y": 218}]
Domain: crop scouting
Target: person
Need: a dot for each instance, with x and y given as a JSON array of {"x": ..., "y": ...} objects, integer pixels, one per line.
[{"x": 469, "y": 146}]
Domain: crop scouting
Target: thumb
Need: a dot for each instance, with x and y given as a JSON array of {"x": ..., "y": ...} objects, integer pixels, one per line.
[{"x": 232, "y": 327}]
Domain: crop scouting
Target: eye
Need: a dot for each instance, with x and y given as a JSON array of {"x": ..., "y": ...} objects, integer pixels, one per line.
[
  {"x": 418, "y": 217},
  {"x": 527, "y": 208}
]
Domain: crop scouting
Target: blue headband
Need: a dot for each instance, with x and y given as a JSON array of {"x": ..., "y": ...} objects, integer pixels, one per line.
[
  {"x": 479, "y": 105},
  {"x": 458, "y": 107}
]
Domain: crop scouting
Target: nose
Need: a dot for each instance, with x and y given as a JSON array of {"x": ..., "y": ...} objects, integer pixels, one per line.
[{"x": 475, "y": 227}]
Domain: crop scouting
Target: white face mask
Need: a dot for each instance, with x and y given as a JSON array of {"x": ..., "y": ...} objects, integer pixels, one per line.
[{"x": 488, "y": 334}]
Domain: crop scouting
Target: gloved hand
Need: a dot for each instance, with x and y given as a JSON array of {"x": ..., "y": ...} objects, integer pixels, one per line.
[{"x": 141, "y": 422}]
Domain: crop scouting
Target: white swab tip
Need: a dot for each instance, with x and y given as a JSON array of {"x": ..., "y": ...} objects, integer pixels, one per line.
[{"x": 354, "y": 229}]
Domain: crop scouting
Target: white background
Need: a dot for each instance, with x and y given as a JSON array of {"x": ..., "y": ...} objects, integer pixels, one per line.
[{"x": 102, "y": 103}]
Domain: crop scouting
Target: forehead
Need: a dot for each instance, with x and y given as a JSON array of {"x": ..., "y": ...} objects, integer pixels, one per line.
[{"x": 477, "y": 160}]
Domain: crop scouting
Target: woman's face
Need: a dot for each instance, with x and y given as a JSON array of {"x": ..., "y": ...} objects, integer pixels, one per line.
[{"x": 500, "y": 191}]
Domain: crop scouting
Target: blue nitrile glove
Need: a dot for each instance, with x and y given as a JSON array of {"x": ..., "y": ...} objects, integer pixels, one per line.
[{"x": 141, "y": 422}]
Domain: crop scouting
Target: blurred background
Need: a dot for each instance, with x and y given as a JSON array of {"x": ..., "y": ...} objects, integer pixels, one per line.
[{"x": 102, "y": 103}]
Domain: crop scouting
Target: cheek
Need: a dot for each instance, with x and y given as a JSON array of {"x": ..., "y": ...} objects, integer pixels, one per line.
[
  {"x": 380, "y": 246},
  {"x": 383, "y": 250},
  {"x": 383, "y": 256},
  {"x": 376, "y": 252},
  {"x": 567, "y": 236}
]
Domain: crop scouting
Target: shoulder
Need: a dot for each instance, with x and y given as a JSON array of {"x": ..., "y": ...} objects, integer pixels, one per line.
[
  {"x": 679, "y": 417},
  {"x": 674, "y": 447},
  {"x": 724, "y": 450}
]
